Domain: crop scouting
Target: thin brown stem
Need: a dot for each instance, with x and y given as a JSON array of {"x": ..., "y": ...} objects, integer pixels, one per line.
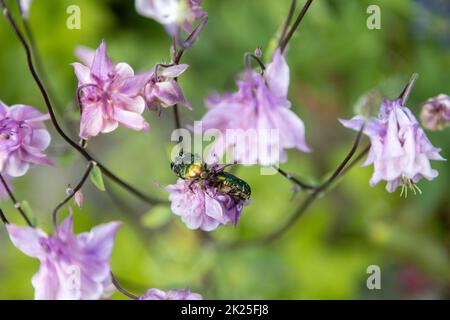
[
  {"x": 14, "y": 201},
  {"x": 408, "y": 88},
  {"x": 176, "y": 116},
  {"x": 72, "y": 194},
  {"x": 293, "y": 179},
  {"x": 288, "y": 21},
  {"x": 3, "y": 217},
  {"x": 122, "y": 290},
  {"x": 251, "y": 56},
  {"x": 294, "y": 27}
]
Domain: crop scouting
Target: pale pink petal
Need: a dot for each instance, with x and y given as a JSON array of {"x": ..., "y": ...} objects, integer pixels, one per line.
[
  {"x": 83, "y": 74},
  {"x": 102, "y": 67},
  {"x": 27, "y": 239},
  {"x": 91, "y": 121},
  {"x": 130, "y": 120},
  {"x": 174, "y": 71},
  {"x": 85, "y": 55},
  {"x": 277, "y": 75}
]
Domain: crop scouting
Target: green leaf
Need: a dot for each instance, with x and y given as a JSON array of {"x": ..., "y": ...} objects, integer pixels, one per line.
[
  {"x": 156, "y": 217},
  {"x": 25, "y": 206},
  {"x": 97, "y": 178}
]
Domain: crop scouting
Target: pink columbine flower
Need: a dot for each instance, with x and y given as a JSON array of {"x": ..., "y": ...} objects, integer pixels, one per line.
[
  {"x": 183, "y": 294},
  {"x": 261, "y": 110},
  {"x": 172, "y": 14},
  {"x": 203, "y": 207},
  {"x": 435, "y": 113},
  {"x": 23, "y": 138},
  {"x": 163, "y": 90},
  {"x": 400, "y": 151},
  {"x": 110, "y": 95},
  {"x": 73, "y": 267}
]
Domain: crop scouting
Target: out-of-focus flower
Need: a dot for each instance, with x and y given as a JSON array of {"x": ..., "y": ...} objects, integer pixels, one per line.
[
  {"x": 111, "y": 95},
  {"x": 25, "y": 6},
  {"x": 435, "y": 113},
  {"x": 73, "y": 267},
  {"x": 183, "y": 294},
  {"x": 203, "y": 207},
  {"x": 259, "y": 107},
  {"x": 23, "y": 138},
  {"x": 400, "y": 151},
  {"x": 79, "y": 198},
  {"x": 172, "y": 14},
  {"x": 163, "y": 90}
]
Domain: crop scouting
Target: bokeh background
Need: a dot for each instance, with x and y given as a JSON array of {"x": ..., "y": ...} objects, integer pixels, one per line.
[{"x": 334, "y": 60}]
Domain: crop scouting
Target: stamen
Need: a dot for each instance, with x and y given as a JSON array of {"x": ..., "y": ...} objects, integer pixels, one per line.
[{"x": 409, "y": 184}]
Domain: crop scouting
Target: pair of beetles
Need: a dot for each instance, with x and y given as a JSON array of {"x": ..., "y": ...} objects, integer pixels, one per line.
[{"x": 190, "y": 167}]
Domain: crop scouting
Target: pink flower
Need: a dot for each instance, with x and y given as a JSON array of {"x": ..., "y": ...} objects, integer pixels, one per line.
[
  {"x": 72, "y": 266},
  {"x": 184, "y": 294},
  {"x": 435, "y": 113},
  {"x": 261, "y": 110},
  {"x": 203, "y": 207},
  {"x": 172, "y": 14},
  {"x": 163, "y": 91},
  {"x": 400, "y": 151},
  {"x": 23, "y": 138},
  {"x": 110, "y": 95}
]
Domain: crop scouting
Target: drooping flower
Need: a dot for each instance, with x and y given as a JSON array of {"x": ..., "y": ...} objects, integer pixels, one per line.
[
  {"x": 25, "y": 6},
  {"x": 400, "y": 151},
  {"x": 163, "y": 90},
  {"x": 261, "y": 111},
  {"x": 435, "y": 113},
  {"x": 172, "y": 14},
  {"x": 183, "y": 294},
  {"x": 203, "y": 207},
  {"x": 23, "y": 138},
  {"x": 73, "y": 267},
  {"x": 110, "y": 95}
]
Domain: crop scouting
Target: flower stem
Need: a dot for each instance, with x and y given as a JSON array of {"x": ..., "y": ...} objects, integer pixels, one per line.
[
  {"x": 293, "y": 179},
  {"x": 15, "y": 202},
  {"x": 72, "y": 194},
  {"x": 122, "y": 290},
  {"x": 3, "y": 217},
  {"x": 288, "y": 21},
  {"x": 294, "y": 27},
  {"x": 408, "y": 88},
  {"x": 72, "y": 143},
  {"x": 247, "y": 63}
]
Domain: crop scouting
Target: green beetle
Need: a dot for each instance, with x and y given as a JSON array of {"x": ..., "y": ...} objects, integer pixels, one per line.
[{"x": 188, "y": 166}]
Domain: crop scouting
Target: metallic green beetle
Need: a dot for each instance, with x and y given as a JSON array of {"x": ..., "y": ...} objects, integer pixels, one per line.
[{"x": 188, "y": 166}]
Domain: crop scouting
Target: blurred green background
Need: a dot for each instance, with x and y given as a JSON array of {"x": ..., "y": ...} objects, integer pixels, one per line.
[{"x": 334, "y": 60}]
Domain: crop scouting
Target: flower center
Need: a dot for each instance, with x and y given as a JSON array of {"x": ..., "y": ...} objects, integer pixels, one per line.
[
  {"x": 9, "y": 129},
  {"x": 409, "y": 184}
]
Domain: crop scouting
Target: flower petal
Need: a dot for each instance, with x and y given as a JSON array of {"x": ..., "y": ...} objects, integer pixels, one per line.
[{"x": 27, "y": 239}]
